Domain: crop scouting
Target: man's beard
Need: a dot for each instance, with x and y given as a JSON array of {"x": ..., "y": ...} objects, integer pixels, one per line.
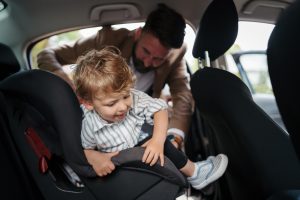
[{"x": 138, "y": 64}]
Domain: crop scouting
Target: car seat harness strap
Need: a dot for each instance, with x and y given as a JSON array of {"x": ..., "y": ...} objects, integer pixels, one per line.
[{"x": 39, "y": 148}]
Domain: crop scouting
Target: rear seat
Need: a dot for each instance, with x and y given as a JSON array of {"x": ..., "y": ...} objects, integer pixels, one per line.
[{"x": 8, "y": 62}]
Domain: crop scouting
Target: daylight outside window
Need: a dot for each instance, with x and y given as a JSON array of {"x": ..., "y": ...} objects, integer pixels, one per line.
[
  {"x": 247, "y": 57},
  {"x": 256, "y": 67}
]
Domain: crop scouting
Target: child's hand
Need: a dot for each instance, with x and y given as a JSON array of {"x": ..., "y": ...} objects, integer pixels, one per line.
[
  {"x": 154, "y": 151},
  {"x": 101, "y": 162}
]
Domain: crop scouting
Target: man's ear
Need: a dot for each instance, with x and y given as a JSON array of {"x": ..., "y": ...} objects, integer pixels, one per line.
[{"x": 137, "y": 33}]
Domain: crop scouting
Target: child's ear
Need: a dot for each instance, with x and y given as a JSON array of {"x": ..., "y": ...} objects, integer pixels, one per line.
[{"x": 87, "y": 104}]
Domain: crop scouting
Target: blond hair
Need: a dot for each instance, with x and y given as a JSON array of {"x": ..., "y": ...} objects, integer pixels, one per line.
[{"x": 101, "y": 72}]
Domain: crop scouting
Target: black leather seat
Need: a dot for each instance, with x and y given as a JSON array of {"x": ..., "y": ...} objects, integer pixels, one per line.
[
  {"x": 262, "y": 160},
  {"x": 8, "y": 62},
  {"x": 18, "y": 183},
  {"x": 283, "y": 63},
  {"x": 43, "y": 122},
  {"x": 217, "y": 32}
]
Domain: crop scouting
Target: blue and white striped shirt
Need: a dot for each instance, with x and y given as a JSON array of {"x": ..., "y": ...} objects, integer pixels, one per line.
[{"x": 96, "y": 133}]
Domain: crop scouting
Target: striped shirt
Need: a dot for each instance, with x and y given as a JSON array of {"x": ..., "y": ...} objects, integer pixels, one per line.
[{"x": 96, "y": 133}]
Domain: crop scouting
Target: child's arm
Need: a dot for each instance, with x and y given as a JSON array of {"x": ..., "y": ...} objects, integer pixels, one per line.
[
  {"x": 155, "y": 146},
  {"x": 101, "y": 162}
]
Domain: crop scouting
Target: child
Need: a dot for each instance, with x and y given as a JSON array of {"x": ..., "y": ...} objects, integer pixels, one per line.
[{"x": 114, "y": 113}]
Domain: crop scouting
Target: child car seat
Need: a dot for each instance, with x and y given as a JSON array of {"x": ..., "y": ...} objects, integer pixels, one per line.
[{"x": 43, "y": 119}]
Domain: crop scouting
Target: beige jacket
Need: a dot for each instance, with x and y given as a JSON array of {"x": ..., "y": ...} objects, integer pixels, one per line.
[{"x": 173, "y": 71}]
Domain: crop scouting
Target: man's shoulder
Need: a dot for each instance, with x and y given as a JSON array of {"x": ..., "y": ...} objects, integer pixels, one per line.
[
  {"x": 121, "y": 38},
  {"x": 110, "y": 31},
  {"x": 175, "y": 57}
]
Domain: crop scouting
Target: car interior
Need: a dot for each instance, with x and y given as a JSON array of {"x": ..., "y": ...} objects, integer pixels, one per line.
[
  {"x": 40, "y": 118},
  {"x": 33, "y": 110},
  {"x": 265, "y": 100}
]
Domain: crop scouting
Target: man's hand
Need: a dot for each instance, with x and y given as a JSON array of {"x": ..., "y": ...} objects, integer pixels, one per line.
[{"x": 101, "y": 162}]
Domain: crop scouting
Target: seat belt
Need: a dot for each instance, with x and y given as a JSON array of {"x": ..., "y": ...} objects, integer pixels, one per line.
[{"x": 40, "y": 149}]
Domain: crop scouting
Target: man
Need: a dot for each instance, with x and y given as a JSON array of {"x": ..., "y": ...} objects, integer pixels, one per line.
[{"x": 156, "y": 55}]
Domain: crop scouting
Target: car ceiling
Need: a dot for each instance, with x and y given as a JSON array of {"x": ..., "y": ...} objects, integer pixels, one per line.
[{"x": 25, "y": 22}]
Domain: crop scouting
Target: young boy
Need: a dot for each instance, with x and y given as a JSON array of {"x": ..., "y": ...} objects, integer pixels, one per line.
[{"x": 114, "y": 113}]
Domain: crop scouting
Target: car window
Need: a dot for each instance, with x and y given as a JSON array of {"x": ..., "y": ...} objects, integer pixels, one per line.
[
  {"x": 247, "y": 57},
  {"x": 72, "y": 36},
  {"x": 256, "y": 68},
  {"x": 248, "y": 60}
]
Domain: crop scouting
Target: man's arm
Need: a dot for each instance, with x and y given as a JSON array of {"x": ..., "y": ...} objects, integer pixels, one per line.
[
  {"x": 52, "y": 59},
  {"x": 183, "y": 103}
]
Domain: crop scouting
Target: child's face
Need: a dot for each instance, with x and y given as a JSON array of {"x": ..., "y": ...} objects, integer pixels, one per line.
[{"x": 113, "y": 107}]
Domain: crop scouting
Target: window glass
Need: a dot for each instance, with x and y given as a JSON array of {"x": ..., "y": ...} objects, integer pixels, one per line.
[
  {"x": 256, "y": 67},
  {"x": 251, "y": 67},
  {"x": 253, "y": 36},
  {"x": 248, "y": 61},
  {"x": 72, "y": 36},
  {"x": 231, "y": 65}
]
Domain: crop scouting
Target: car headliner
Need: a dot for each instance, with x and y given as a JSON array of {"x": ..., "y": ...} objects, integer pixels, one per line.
[{"x": 25, "y": 22}]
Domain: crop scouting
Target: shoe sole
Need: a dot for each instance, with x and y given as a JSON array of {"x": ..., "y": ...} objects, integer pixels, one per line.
[{"x": 216, "y": 175}]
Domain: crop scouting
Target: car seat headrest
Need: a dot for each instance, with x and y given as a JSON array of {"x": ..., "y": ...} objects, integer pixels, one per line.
[
  {"x": 8, "y": 62},
  {"x": 217, "y": 30},
  {"x": 283, "y": 63}
]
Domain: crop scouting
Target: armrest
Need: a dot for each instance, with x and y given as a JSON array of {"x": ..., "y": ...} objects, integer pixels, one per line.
[{"x": 131, "y": 159}]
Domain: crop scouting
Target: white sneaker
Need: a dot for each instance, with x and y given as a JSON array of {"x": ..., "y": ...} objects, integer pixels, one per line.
[{"x": 208, "y": 171}]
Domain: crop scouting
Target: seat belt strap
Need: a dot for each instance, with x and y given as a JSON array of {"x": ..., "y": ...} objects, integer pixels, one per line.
[{"x": 40, "y": 149}]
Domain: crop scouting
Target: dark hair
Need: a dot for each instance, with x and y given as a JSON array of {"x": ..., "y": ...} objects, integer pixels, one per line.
[{"x": 167, "y": 25}]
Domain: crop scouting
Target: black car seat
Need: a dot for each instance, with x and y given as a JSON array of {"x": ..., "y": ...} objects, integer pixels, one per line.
[
  {"x": 262, "y": 160},
  {"x": 43, "y": 120},
  {"x": 8, "y": 63},
  {"x": 283, "y": 66},
  {"x": 18, "y": 183},
  {"x": 217, "y": 30},
  {"x": 216, "y": 34}
]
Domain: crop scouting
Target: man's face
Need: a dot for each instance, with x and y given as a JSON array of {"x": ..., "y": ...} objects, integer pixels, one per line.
[{"x": 149, "y": 52}]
